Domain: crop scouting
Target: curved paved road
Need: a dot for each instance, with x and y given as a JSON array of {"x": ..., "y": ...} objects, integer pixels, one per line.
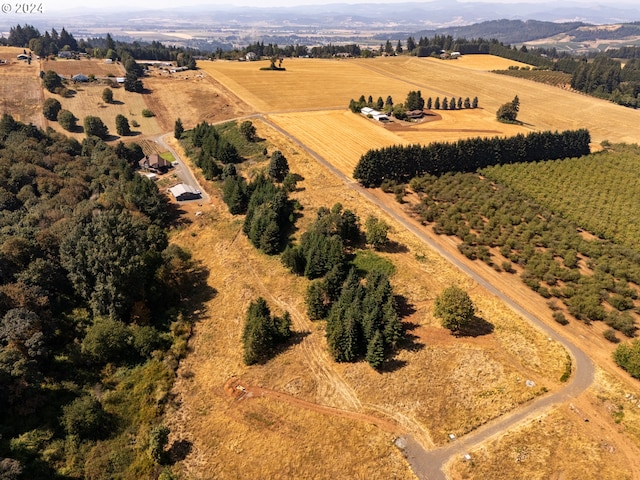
[{"x": 427, "y": 465}]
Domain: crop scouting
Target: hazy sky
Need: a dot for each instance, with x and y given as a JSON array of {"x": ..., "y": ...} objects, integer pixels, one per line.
[{"x": 52, "y": 6}]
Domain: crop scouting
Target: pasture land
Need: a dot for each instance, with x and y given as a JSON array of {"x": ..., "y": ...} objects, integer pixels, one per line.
[
  {"x": 427, "y": 389},
  {"x": 20, "y": 88},
  {"x": 88, "y": 101},
  {"x": 86, "y": 66}
]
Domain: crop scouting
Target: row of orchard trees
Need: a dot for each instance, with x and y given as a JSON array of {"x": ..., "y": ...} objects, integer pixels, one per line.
[{"x": 402, "y": 163}]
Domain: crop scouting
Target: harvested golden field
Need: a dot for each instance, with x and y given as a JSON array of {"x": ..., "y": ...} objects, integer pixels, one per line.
[
  {"x": 342, "y": 137},
  {"x": 307, "y": 84},
  {"x": 313, "y": 84},
  {"x": 20, "y": 88},
  {"x": 338, "y": 135},
  {"x": 88, "y": 101},
  {"x": 428, "y": 389},
  {"x": 86, "y": 66},
  {"x": 542, "y": 107}
]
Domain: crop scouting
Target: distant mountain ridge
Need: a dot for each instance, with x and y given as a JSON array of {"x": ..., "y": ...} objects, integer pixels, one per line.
[{"x": 518, "y": 31}]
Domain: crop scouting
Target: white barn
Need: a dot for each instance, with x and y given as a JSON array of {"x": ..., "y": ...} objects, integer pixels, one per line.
[{"x": 182, "y": 192}]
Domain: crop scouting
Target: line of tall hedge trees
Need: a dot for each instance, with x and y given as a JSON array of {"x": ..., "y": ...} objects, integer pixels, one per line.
[{"x": 402, "y": 163}]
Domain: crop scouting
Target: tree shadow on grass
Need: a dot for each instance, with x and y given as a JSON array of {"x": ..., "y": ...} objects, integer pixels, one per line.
[
  {"x": 177, "y": 217},
  {"x": 295, "y": 339},
  {"x": 409, "y": 342},
  {"x": 405, "y": 308},
  {"x": 478, "y": 327},
  {"x": 394, "y": 247},
  {"x": 179, "y": 450}
]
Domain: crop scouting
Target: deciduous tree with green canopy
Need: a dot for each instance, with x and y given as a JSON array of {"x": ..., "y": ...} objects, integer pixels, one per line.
[
  {"x": 67, "y": 120},
  {"x": 51, "y": 108},
  {"x": 107, "y": 95},
  {"x": 376, "y": 232},
  {"x": 122, "y": 125},
  {"x": 93, "y": 126},
  {"x": 454, "y": 308},
  {"x": 51, "y": 80}
]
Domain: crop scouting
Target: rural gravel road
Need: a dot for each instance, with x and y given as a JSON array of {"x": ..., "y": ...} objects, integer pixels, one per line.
[
  {"x": 427, "y": 465},
  {"x": 182, "y": 170}
]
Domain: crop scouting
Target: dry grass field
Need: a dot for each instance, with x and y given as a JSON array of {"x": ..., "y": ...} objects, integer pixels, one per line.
[
  {"x": 428, "y": 390},
  {"x": 193, "y": 97},
  {"x": 86, "y": 66},
  {"x": 536, "y": 450},
  {"x": 438, "y": 384},
  {"x": 88, "y": 101},
  {"x": 20, "y": 91}
]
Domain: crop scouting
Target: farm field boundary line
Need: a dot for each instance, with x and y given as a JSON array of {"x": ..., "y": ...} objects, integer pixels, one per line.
[{"x": 428, "y": 465}]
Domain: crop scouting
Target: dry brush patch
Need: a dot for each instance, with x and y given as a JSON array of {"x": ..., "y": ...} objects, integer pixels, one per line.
[{"x": 596, "y": 436}]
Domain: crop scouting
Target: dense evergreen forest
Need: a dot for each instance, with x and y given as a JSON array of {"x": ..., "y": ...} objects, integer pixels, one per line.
[{"x": 90, "y": 323}]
